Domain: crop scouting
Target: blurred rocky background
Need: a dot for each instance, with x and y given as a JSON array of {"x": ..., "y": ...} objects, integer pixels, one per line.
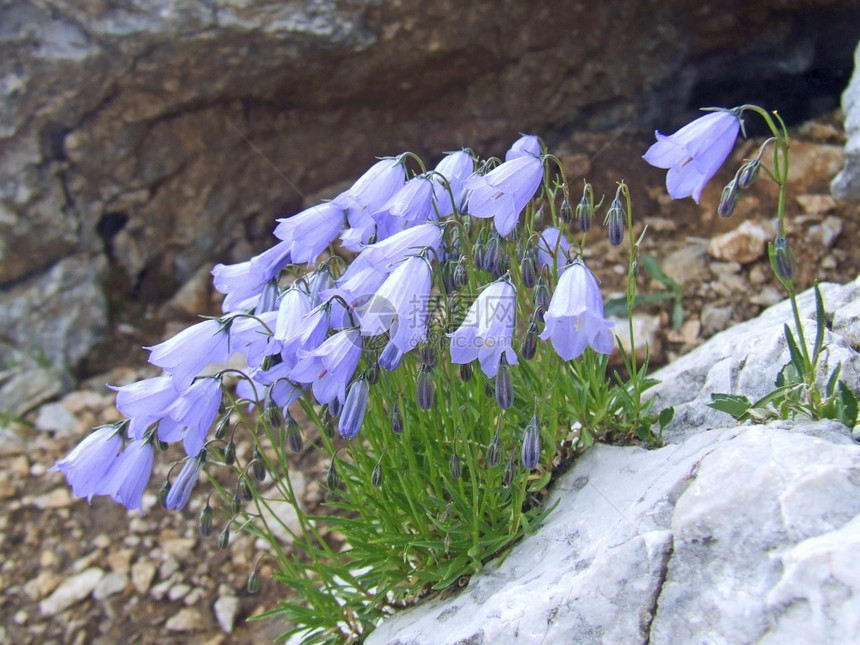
[{"x": 142, "y": 141}]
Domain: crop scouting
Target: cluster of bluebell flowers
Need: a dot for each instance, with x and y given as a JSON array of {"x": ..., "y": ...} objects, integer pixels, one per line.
[{"x": 310, "y": 323}]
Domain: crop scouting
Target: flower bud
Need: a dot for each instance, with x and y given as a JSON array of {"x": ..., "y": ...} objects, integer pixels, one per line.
[
  {"x": 542, "y": 299},
  {"x": 224, "y": 539},
  {"x": 615, "y": 222},
  {"x": 258, "y": 467},
  {"x": 729, "y": 198},
  {"x": 492, "y": 253},
  {"x": 207, "y": 518},
  {"x": 531, "y": 444},
  {"x": 584, "y": 213},
  {"x": 784, "y": 259},
  {"x": 294, "y": 436},
  {"x": 163, "y": 493},
  {"x": 510, "y": 472},
  {"x": 539, "y": 216},
  {"x": 466, "y": 372},
  {"x": 749, "y": 173},
  {"x": 461, "y": 276},
  {"x": 428, "y": 355},
  {"x": 494, "y": 451},
  {"x": 236, "y": 504},
  {"x": 426, "y": 389},
  {"x": 504, "y": 385},
  {"x": 272, "y": 411},
  {"x": 528, "y": 268},
  {"x": 454, "y": 466},
  {"x": 396, "y": 420},
  {"x": 566, "y": 211},
  {"x": 331, "y": 478},
  {"x": 222, "y": 427},
  {"x": 230, "y": 453},
  {"x": 529, "y": 347},
  {"x": 254, "y": 582},
  {"x": 390, "y": 357},
  {"x": 479, "y": 252},
  {"x": 245, "y": 490},
  {"x": 372, "y": 373},
  {"x": 376, "y": 476},
  {"x": 448, "y": 277},
  {"x": 335, "y": 407},
  {"x": 354, "y": 408}
]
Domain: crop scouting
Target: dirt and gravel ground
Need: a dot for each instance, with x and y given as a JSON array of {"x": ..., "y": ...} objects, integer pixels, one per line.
[{"x": 78, "y": 573}]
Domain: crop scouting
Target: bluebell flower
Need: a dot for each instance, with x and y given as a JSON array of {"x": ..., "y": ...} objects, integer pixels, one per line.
[
  {"x": 243, "y": 283},
  {"x": 253, "y": 336},
  {"x": 309, "y": 233},
  {"x": 552, "y": 249},
  {"x": 400, "y": 305},
  {"x": 412, "y": 204},
  {"x": 145, "y": 402},
  {"x": 298, "y": 327},
  {"x": 181, "y": 489},
  {"x": 575, "y": 319},
  {"x": 186, "y": 354},
  {"x": 367, "y": 196},
  {"x": 390, "y": 357},
  {"x": 385, "y": 255},
  {"x": 531, "y": 444},
  {"x": 128, "y": 476},
  {"x": 456, "y": 168},
  {"x": 330, "y": 366},
  {"x": 526, "y": 145},
  {"x": 695, "y": 152},
  {"x": 86, "y": 465},
  {"x": 352, "y": 415},
  {"x": 356, "y": 286},
  {"x": 192, "y": 414},
  {"x": 503, "y": 192},
  {"x": 487, "y": 329}
]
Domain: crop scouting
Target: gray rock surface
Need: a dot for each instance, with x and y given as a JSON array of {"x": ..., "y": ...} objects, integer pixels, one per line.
[
  {"x": 157, "y": 137},
  {"x": 847, "y": 183},
  {"x": 728, "y": 534}
]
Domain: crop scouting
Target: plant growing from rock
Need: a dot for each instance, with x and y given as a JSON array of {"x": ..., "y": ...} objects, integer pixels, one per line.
[{"x": 692, "y": 156}]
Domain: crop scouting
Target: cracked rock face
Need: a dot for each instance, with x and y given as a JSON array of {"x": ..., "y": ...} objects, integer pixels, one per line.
[
  {"x": 725, "y": 535},
  {"x": 154, "y": 138}
]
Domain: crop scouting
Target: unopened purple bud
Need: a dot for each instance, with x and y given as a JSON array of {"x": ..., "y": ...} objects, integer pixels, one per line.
[
  {"x": 729, "y": 198},
  {"x": 222, "y": 427},
  {"x": 390, "y": 357},
  {"x": 331, "y": 478},
  {"x": 335, "y": 407},
  {"x": 492, "y": 254},
  {"x": 615, "y": 222},
  {"x": 294, "y": 436},
  {"x": 268, "y": 300},
  {"x": 528, "y": 268},
  {"x": 566, "y": 211},
  {"x": 254, "y": 582},
  {"x": 504, "y": 385},
  {"x": 529, "y": 348},
  {"x": 480, "y": 256},
  {"x": 461, "y": 276},
  {"x": 372, "y": 373},
  {"x": 494, "y": 451},
  {"x": 236, "y": 504},
  {"x": 224, "y": 539},
  {"x": 272, "y": 411},
  {"x": 428, "y": 356},
  {"x": 230, "y": 453},
  {"x": 584, "y": 213},
  {"x": 531, "y": 444},
  {"x": 181, "y": 489},
  {"x": 207, "y": 520},
  {"x": 454, "y": 466},
  {"x": 163, "y": 492},
  {"x": 258, "y": 466},
  {"x": 510, "y": 472},
  {"x": 352, "y": 415},
  {"x": 466, "y": 372},
  {"x": 749, "y": 173},
  {"x": 245, "y": 490},
  {"x": 376, "y": 476},
  {"x": 425, "y": 389},
  {"x": 542, "y": 299},
  {"x": 784, "y": 259},
  {"x": 396, "y": 420}
]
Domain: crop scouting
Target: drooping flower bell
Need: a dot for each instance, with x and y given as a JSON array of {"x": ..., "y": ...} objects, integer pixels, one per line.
[
  {"x": 309, "y": 233},
  {"x": 86, "y": 465},
  {"x": 128, "y": 476},
  {"x": 352, "y": 415},
  {"x": 400, "y": 305},
  {"x": 330, "y": 366},
  {"x": 181, "y": 489},
  {"x": 575, "y": 319},
  {"x": 504, "y": 191},
  {"x": 186, "y": 354},
  {"x": 368, "y": 195},
  {"x": 192, "y": 414},
  {"x": 695, "y": 152},
  {"x": 486, "y": 331},
  {"x": 531, "y": 444}
]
